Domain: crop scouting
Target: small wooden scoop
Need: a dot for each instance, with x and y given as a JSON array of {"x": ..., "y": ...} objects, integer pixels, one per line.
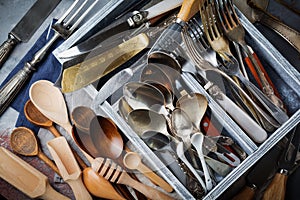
[
  {"x": 24, "y": 142},
  {"x": 132, "y": 160},
  {"x": 26, "y": 178},
  {"x": 68, "y": 167}
]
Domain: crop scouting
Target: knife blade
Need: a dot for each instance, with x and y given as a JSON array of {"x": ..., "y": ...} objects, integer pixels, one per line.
[
  {"x": 276, "y": 189},
  {"x": 136, "y": 19},
  {"x": 27, "y": 26},
  {"x": 82, "y": 74}
]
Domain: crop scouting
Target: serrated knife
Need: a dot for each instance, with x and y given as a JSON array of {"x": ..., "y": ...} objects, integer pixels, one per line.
[
  {"x": 136, "y": 19},
  {"x": 27, "y": 26}
]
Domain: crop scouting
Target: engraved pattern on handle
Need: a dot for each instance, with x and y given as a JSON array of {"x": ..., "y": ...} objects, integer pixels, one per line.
[
  {"x": 6, "y": 48},
  {"x": 13, "y": 86}
]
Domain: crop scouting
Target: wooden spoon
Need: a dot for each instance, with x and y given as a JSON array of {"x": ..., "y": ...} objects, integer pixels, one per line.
[
  {"x": 49, "y": 100},
  {"x": 37, "y": 118},
  {"x": 68, "y": 167},
  {"x": 23, "y": 141},
  {"x": 132, "y": 160},
  {"x": 26, "y": 178}
]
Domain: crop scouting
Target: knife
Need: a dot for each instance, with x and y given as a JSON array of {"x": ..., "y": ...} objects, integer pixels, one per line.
[
  {"x": 27, "y": 26},
  {"x": 89, "y": 71},
  {"x": 137, "y": 19},
  {"x": 276, "y": 189}
]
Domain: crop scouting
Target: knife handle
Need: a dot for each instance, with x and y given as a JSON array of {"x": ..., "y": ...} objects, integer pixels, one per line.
[
  {"x": 13, "y": 86},
  {"x": 7, "y": 47},
  {"x": 247, "y": 193},
  {"x": 276, "y": 189},
  {"x": 254, "y": 131}
]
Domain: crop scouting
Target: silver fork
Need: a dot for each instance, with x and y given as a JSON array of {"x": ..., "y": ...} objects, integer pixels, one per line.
[
  {"x": 232, "y": 67},
  {"x": 63, "y": 28},
  {"x": 234, "y": 30}
]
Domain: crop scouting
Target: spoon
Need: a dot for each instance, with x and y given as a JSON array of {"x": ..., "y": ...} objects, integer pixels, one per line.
[
  {"x": 168, "y": 95},
  {"x": 106, "y": 138},
  {"x": 36, "y": 117},
  {"x": 153, "y": 72},
  {"x": 144, "y": 96},
  {"x": 132, "y": 161},
  {"x": 68, "y": 167},
  {"x": 24, "y": 142},
  {"x": 81, "y": 117},
  {"x": 194, "y": 105},
  {"x": 142, "y": 120},
  {"x": 49, "y": 100},
  {"x": 197, "y": 142},
  {"x": 124, "y": 108},
  {"x": 180, "y": 153}
]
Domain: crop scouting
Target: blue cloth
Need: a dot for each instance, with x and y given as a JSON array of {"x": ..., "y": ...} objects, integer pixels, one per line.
[{"x": 48, "y": 69}]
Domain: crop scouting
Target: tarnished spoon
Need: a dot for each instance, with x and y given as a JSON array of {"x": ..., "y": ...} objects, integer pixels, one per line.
[
  {"x": 194, "y": 105},
  {"x": 23, "y": 141},
  {"x": 141, "y": 95},
  {"x": 124, "y": 108},
  {"x": 142, "y": 120},
  {"x": 132, "y": 160}
]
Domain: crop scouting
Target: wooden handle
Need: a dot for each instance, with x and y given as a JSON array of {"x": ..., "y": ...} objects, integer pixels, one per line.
[
  {"x": 276, "y": 189},
  {"x": 49, "y": 162},
  {"x": 188, "y": 9},
  {"x": 55, "y": 132},
  {"x": 51, "y": 194},
  {"x": 79, "y": 190},
  {"x": 155, "y": 178},
  {"x": 6, "y": 48},
  {"x": 145, "y": 189},
  {"x": 246, "y": 193}
]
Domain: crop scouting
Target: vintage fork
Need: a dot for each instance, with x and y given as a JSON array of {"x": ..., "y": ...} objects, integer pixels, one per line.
[
  {"x": 231, "y": 67},
  {"x": 63, "y": 28},
  {"x": 234, "y": 30},
  {"x": 115, "y": 173}
]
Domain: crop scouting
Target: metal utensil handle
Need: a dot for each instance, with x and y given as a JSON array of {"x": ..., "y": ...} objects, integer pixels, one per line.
[
  {"x": 6, "y": 48},
  {"x": 13, "y": 86}
]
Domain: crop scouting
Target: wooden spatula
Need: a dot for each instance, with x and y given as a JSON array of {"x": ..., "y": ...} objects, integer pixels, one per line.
[{"x": 26, "y": 178}]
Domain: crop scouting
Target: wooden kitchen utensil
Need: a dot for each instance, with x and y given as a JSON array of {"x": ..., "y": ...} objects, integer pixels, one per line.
[
  {"x": 68, "y": 167},
  {"x": 26, "y": 178}
]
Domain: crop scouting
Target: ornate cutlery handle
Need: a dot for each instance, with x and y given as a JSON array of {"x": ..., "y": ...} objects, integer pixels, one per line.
[
  {"x": 6, "y": 48},
  {"x": 14, "y": 85}
]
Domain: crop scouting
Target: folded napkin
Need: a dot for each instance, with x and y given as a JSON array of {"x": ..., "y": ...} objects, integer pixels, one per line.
[{"x": 48, "y": 69}]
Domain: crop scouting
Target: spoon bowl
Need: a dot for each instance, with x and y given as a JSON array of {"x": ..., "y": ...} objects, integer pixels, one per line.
[
  {"x": 24, "y": 142},
  {"x": 81, "y": 117}
]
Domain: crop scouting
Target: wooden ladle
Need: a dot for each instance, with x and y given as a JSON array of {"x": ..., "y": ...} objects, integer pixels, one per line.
[{"x": 23, "y": 141}]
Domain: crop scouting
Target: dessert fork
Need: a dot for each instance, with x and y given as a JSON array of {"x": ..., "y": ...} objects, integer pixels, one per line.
[
  {"x": 63, "y": 28},
  {"x": 234, "y": 31},
  {"x": 115, "y": 173}
]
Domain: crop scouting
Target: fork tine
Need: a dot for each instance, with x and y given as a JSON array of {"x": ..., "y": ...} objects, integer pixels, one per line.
[
  {"x": 63, "y": 17},
  {"x": 83, "y": 15},
  {"x": 75, "y": 13}
]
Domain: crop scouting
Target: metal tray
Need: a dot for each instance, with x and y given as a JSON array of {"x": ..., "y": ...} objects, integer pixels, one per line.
[{"x": 285, "y": 77}]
